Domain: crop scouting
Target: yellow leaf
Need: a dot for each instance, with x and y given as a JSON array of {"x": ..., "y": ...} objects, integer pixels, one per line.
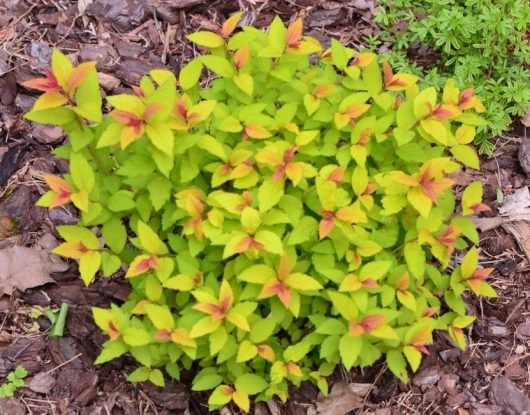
[
  {"x": 245, "y": 82},
  {"x": 50, "y": 100},
  {"x": 242, "y": 400},
  {"x": 435, "y": 129},
  {"x": 419, "y": 201},
  {"x": 72, "y": 249}
]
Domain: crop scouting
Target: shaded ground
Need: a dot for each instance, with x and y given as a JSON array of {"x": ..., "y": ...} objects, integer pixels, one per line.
[{"x": 127, "y": 38}]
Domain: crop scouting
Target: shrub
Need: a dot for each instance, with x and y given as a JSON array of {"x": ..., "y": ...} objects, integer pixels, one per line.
[
  {"x": 482, "y": 43},
  {"x": 291, "y": 213}
]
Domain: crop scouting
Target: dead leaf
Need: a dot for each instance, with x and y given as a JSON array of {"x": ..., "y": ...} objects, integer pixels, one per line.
[
  {"x": 81, "y": 7},
  {"x": 42, "y": 382},
  {"x": 22, "y": 268},
  {"x": 522, "y": 332},
  {"x": 517, "y": 203},
  {"x": 521, "y": 232},
  {"x": 505, "y": 394},
  {"x": 427, "y": 376},
  {"x": 107, "y": 81},
  {"x": 482, "y": 409},
  {"x": 340, "y": 401}
]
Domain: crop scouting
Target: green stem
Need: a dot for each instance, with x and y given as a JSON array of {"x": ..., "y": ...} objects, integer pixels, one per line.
[{"x": 58, "y": 327}]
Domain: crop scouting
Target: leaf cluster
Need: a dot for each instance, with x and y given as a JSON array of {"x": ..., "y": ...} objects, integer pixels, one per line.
[
  {"x": 482, "y": 43},
  {"x": 292, "y": 213},
  {"x": 15, "y": 380}
]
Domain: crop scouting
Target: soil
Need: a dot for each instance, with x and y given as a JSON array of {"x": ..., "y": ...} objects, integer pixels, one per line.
[{"x": 128, "y": 38}]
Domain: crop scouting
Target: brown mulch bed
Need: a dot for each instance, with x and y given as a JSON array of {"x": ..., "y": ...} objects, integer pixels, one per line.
[{"x": 127, "y": 38}]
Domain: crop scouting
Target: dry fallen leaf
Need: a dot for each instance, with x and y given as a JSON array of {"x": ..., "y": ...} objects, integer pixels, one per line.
[
  {"x": 22, "y": 268},
  {"x": 341, "y": 400},
  {"x": 517, "y": 203},
  {"x": 42, "y": 382},
  {"x": 504, "y": 393}
]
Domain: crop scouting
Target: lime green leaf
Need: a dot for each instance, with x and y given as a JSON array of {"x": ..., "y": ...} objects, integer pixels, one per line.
[
  {"x": 218, "y": 65},
  {"x": 415, "y": 257},
  {"x": 190, "y": 74},
  {"x": 413, "y": 356},
  {"x": 206, "y": 382},
  {"x": 206, "y": 39},
  {"x": 204, "y": 326},
  {"x": 162, "y": 137},
  {"x": 246, "y": 351},
  {"x": 245, "y": 82},
  {"x": 139, "y": 375},
  {"x": 349, "y": 349},
  {"x": 250, "y": 383},
  {"x": 269, "y": 194},
  {"x": 114, "y": 234},
  {"x": 466, "y": 155},
  {"x": 160, "y": 316},
  {"x": 271, "y": 242},
  {"x": 397, "y": 365},
  {"x": 136, "y": 337},
  {"x": 89, "y": 264}
]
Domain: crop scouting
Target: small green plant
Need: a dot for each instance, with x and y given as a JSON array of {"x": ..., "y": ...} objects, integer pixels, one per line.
[
  {"x": 290, "y": 214},
  {"x": 15, "y": 380},
  {"x": 482, "y": 43}
]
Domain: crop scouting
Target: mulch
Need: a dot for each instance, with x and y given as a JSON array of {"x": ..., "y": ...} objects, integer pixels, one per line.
[{"x": 128, "y": 38}]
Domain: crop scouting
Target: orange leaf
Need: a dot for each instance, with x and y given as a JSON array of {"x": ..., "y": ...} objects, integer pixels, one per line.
[
  {"x": 151, "y": 110},
  {"x": 141, "y": 264},
  {"x": 356, "y": 110},
  {"x": 294, "y": 34},
  {"x": 42, "y": 84},
  {"x": 162, "y": 335},
  {"x": 402, "y": 283},
  {"x": 230, "y": 24},
  {"x": 275, "y": 287},
  {"x": 371, "y": 322},
  {"x": 325, "y": 226},
  {"x": 113, "y": 330},
  {"x": 72, "y": 249},
  {"x": 443, "y": 112},
  {"x": 284, "y": 268},
  {"x": 388, "y": 73},
  {"x": 241, "y": 57},
  {"x": 226, "y": 296},
  {"x": 244, "y": 245},
  {"x": 207, "y": 308},
  {"x": 405, "y": 179},
  {"x": 62, "y": 189},
  {"x": 336, "y": 175},
  {"x": 78, "y": 75},
  {"x": 323, "y": 90},
  {"x": 482, "y": 274},
  {"x": 293, "y": 369},
  {"x": 256, "y": 131},
  {"x": 182, "y": 336},
  {"x": 355, "y": 329},
  {"x": 130, "y": 134},
  {"x": 422, "y": 337},
  {"x": 363, "y": 59},
  {"x": 266, "y": 352},
  {"x": 295, "y": 172}
]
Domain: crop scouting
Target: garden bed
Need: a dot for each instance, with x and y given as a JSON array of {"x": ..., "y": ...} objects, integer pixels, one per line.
[{"x": 127, "y": 38}]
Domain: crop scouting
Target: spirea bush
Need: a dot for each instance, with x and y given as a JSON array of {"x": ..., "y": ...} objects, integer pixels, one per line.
[{"x": 278, "y": 209}]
